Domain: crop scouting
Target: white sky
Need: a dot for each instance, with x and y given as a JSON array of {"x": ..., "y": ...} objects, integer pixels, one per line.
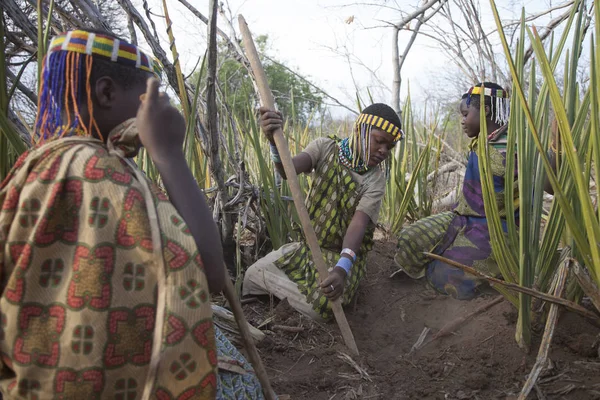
[{"x": 303, "y": 32}]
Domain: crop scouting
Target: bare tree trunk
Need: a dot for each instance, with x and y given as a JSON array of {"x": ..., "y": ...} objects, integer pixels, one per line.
[
  {"x": 91, "y": 11},
  {"x": 397, "y": 60},
  {"x": 212, "y": 122},
  {"x": 131, "y": 28},
  {"x": 396, "y": 64}
]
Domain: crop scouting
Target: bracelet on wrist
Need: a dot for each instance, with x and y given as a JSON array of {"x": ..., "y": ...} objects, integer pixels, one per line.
[
  {"x": 345, "y": 264},
  {"x": 349, "y": 252}
]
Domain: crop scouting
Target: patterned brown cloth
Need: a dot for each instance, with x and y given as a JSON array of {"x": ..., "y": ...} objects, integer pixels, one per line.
[{"x": 104, "y": 294}]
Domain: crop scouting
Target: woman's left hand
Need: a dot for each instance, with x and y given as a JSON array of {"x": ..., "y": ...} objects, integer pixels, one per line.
[{"x": 333, "y": 286}]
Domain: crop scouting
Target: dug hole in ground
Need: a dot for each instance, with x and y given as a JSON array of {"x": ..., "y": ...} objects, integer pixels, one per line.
[{"x": 480, "y": 360}]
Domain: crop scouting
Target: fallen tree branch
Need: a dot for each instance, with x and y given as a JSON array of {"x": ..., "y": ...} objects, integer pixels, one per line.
[
  {"x": 449, "y": 167},
  {"x": 291, "y": 329},
  {"x": 453, "y": 154},
  {"x": 593, "y": 317},
  {"x": 227, "y": 321},
  {"x": 588, "y": 286},
  {"x": 450, "y": 327}
]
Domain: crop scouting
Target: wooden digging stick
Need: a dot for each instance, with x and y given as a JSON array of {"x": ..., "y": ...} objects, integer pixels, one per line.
[
  {"x": 255, "y": 360},
  {"x": 286, "y": 159}
]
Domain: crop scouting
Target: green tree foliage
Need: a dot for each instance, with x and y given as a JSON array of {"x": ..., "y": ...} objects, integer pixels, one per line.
[{"x": 294, "y": 96}]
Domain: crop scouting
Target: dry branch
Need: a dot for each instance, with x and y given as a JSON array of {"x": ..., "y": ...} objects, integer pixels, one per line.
[
  {"x": 202, "y": 18},
  {"x": 416, "y": 13},
  {"x": 22, "y": 88},
  {"x": 131, "y": 29},
  {"x": 291, "y": 329},
  {"x": 542, "y": 357},
  {"x": 452, "y": 326},
  {"x": 20, "y": 19},
  {"x": 593, "y": 317},
  {"x": 397, "y": 59},
  {"x": 548, "y": 29},
  {"x": 449, "y": 167},
  {"x": 212, "y": 124},
  {"x": 91, "y": 11},
  {"x": 588, "y": 286},
  {"x": 157, "y": 49}
]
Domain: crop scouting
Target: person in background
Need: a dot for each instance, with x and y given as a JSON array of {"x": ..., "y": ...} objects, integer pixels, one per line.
[{"x": 462, "y": 235}]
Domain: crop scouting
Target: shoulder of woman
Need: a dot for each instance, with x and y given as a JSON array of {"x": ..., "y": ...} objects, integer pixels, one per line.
[
  {"x": 322, "y": 142},
  {"x": 318, "y": 148},
  {"x": 375, "y": 180}
]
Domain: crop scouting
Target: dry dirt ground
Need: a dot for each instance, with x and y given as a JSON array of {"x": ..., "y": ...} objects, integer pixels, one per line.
[{"x": 481, "y": 360}]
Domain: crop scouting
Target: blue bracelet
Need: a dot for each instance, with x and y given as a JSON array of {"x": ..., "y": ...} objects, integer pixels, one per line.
[{"x": 345, "y": 264}]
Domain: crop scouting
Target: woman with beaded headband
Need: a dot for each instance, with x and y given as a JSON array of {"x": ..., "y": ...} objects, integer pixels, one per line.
[
  {"x": 343, "y": 203},
  {"x": 462, "y": 234},
  {"x": 104, "y": 280}
]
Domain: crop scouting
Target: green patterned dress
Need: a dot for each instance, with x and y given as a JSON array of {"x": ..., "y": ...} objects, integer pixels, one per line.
[{"x": 331, "y": 202}]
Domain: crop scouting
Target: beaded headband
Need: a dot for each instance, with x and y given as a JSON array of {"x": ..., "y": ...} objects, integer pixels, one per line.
[
  {"x": 355, "y": 151},
  {"x": 492, "y": 92},
  {"x": 109, "y": 48},
  {"x": 65, "y": 88},
  {"x": 380, "y": 123},
  {"x": 500, "y": 105}
]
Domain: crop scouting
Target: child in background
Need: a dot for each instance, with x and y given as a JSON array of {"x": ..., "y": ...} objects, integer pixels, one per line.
[{"x": 462, "y": 235}]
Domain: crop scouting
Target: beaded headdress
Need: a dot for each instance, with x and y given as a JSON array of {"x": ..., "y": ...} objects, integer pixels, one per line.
[
  {"x": 355, "y": 150},
  {"x": 65, "y": 79},
  {"x": 499, "y": 104}
]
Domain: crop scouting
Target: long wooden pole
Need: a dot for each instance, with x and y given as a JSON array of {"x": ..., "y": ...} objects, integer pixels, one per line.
[
  {"x": 286, "y": 159},
  {"x": 238, "y": 313}
]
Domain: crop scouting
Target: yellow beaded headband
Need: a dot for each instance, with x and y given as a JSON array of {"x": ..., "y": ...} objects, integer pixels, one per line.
[{"x": 381, "y": 123}]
